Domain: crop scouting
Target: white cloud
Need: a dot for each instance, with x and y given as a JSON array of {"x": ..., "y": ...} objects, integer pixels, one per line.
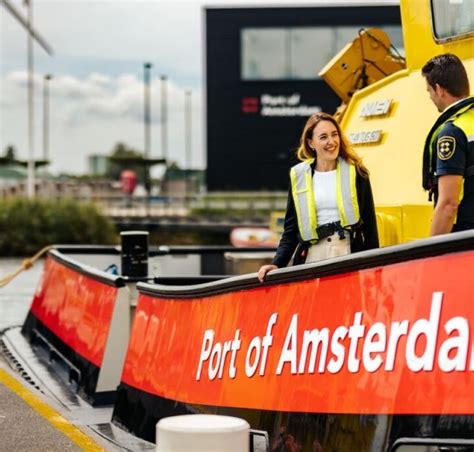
[
  {"x": 96, "y": 94},
  {"x": 120, "y": 30},
  {"x": 104, "y": 96},
  {"x": 90, "y": 115},
  {"x": 99, "y": 79}
]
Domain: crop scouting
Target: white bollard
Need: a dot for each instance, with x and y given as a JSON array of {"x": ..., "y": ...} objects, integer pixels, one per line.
[{"x": 203, "y": 433}]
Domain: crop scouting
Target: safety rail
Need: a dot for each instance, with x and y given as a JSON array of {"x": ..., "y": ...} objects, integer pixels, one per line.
[
  {"x": 82, "y": 313},
  {"x": 120, "y": 205},
  {"x": 420, "y": 249}
]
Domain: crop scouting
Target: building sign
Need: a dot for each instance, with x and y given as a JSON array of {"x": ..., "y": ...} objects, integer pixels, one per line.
[
  {"x": 371, "y": 110},
  {"x": 369, "y": 137},
  {"x": 278, "y": 105},
  {"x": 376, "y": 108}
]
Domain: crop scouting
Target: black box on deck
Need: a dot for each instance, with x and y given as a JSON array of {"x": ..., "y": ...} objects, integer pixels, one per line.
[{"x": 134, "y": 253}]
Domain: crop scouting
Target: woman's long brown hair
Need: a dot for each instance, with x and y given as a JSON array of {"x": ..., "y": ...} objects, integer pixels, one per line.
[{"x": 304, "y": 152}]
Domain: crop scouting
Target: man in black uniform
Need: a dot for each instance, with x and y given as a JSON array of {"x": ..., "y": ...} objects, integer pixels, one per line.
[{"x": 448, "y": 157}]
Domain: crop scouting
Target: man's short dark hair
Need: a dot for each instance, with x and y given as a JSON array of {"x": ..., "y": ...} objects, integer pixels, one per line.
[{"x": 448, "y": 72}]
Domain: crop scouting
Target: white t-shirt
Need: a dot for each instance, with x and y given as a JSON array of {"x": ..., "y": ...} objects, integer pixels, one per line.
[{"x": 324, "y": 186}]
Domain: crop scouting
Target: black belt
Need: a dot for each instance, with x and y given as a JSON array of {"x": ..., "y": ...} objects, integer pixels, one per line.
[{"x": 326, "y": 230}]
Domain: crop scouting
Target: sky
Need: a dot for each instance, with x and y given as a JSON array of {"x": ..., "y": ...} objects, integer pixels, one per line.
[{"x": 96, "y": 93}]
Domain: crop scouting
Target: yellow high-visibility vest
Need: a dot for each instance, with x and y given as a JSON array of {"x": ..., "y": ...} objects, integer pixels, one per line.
[
  {"x": 305, "y": 204},
  {"x": 464, "y": 119}
]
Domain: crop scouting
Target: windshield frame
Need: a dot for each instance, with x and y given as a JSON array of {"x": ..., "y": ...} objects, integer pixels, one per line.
[{"x": 442, "y": 40}]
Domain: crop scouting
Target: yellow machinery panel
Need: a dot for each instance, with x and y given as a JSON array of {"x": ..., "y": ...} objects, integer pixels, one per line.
[
  {"x": 388, "y": 121},
  {"x": 362, "y": 62},
  {"x": 403, "y": 223}
]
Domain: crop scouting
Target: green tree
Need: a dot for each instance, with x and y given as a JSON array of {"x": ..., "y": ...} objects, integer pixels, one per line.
[{"x": 10, "y": 153}]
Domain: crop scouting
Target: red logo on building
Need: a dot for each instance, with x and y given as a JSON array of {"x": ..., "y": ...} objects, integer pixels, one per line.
[{"x": 250, "y": 105}]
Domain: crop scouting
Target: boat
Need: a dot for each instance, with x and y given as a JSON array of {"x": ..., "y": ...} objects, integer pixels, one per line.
[
  {"x": 73, "y": 343},
  {"x": 245, "y": 237},
  {"x": 370, "y": 352},
  {"x": 258, "y": 236}
]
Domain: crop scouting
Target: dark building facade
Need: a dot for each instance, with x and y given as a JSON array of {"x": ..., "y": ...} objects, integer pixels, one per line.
[{"x": 262, "y": 84}]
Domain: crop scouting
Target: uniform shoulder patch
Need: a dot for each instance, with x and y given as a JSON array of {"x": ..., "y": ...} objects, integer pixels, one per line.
[{"x": 446, "y": 147}]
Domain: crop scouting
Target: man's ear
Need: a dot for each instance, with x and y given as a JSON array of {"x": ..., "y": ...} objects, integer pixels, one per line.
[{"x": 439, "y": 90}]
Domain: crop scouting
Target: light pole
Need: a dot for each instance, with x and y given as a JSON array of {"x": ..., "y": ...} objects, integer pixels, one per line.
[
  {"x": 32, "y": 35},
  {"x": 164, "y": 117},
  {"x": 31, "y": 125},
  {"x": 188, "y": 134},
  {"x": 46, "y": 80},
  {"x": 146, "y": 177}
]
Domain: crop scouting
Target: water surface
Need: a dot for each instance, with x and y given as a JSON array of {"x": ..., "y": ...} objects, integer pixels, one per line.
[{"x": 15, "y": 297}]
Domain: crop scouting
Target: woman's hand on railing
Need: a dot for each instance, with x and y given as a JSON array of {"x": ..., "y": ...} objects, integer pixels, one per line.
[{"x": 264, "y": 269}]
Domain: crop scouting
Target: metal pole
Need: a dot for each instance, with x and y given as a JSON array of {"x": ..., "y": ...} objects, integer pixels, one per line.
[
  {"x": 46, "y": 79},
  {"x": 31, "y": 125},
  {"x": 164, "y": 118},
  {"x": 188, "y": 126},
  {"x": 146, "y": 175},
  {"x": 164, "y": 132},
  {"x": 24, "y": 22},
  {"x": 188, "y": 137}
]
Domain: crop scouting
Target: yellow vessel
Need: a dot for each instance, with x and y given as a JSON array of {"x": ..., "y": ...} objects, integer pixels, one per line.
[{"x": 387, "y": 121}]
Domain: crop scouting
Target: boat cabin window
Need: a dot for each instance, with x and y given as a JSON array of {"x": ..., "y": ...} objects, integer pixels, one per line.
[{"x": 452, "y": 19}]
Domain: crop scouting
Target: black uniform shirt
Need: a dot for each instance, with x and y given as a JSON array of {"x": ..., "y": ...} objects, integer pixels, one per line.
[
  {"x": 451, "y": 147},
  {"x": 452, "y": 158}
]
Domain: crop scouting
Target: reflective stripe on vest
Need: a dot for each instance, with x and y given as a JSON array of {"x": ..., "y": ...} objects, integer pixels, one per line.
[
  {"x": 465, "y": 121},
  {"x": 460, "y": 119},
  {"x": 305, "y": 205}
]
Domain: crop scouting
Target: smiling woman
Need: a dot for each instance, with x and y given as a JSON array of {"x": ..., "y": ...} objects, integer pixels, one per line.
[
  {"x": 330, "y": 210},
  {"x": 325, "y": 141}
]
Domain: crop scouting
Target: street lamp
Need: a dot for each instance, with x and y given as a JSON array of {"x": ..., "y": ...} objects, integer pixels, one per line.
[
  {"x": 146, "y": 76},
  {"x": 31, "y": 116},
  {"x": 46, "y": 80},
  {"x": 187, "y": 126},
  {"x": 164, "y": 118},
  {"x": 32, "y": 35},
  {"x": 188, "y": 134}
]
